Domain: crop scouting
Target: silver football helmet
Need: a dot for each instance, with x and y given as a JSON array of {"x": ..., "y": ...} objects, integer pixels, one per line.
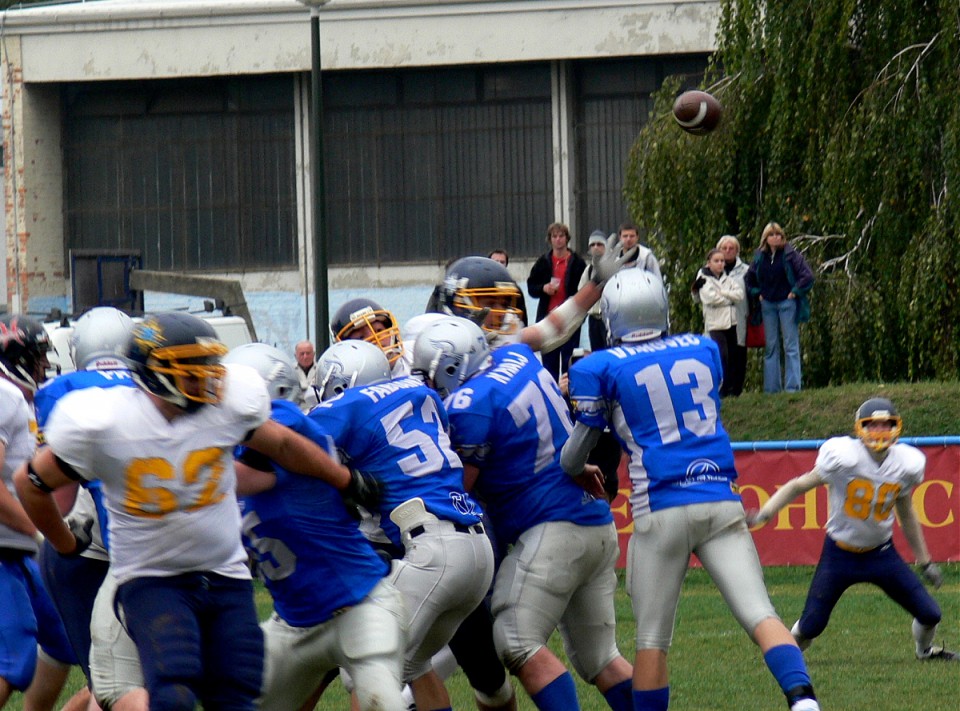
[
  {"x": 99, "y": 339},
  {"x": 350, "y": 364},
  {"x": 449, "y": 351},
  {"x": 274, "y": 366},
  {"x": 634, "y": 307}
]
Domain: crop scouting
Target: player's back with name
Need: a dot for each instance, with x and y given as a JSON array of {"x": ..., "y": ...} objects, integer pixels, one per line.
[{"x": 667, "y": 395}]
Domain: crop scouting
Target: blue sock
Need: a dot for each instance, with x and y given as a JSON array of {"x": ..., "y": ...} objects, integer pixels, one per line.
[
  {"x": 559, "y": 695},
  {"x": 620, "y": 696},
  {"x": 787, "y": 666},
  {"x": 652, "y": 700}
]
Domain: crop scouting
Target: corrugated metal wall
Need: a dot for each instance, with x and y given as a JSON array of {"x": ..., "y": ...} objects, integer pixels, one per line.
[{"x": 421, "y": 166}]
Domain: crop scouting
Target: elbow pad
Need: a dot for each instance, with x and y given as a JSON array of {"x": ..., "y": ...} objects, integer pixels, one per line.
[{"x": 571, "y": 319}]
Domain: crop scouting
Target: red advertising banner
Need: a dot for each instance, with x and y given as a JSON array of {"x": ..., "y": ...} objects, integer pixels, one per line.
[{"x": 795, "y": 535}]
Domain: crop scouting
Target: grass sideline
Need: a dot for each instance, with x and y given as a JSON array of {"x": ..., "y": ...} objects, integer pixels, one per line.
[{"x": 865, "y": 657}]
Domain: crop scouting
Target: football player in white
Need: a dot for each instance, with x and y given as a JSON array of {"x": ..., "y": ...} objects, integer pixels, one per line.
[
  {"x": 868, "y": 477},
  {"x": 164, "y": 454}
]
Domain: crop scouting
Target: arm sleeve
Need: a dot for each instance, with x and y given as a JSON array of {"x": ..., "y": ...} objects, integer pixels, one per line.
[{"x": 577, "y": 448}]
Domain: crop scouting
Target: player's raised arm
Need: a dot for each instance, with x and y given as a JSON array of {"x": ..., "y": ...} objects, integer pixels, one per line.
[{"x": 561, "y": 323}]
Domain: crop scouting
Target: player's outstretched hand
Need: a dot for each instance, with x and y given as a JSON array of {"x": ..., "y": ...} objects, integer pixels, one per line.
[
  {"x": 932, "y": 574},
  {"x": 607, "y": 264},
  {"x": 363, "y": 490},
  {"x": 81, "y": 530}
]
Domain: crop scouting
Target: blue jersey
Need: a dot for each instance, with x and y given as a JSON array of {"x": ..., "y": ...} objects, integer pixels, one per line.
[
  {"x": 397, "y": 432},
  {"x": 50, "y": 393},
  {"x": 306, "y": 547},
  {"x": 662, "y": 402},
  {"x": 511, "y": 422}
]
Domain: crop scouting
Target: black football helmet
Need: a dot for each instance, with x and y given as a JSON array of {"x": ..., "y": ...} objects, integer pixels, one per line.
[
  {"x": 878, "y": 409},
  {"x": 483, "y": 291},
  {"x": 176, "y": 357},
  {"x": 24, "y": 344},
  {"x": 384, "y": 331}
]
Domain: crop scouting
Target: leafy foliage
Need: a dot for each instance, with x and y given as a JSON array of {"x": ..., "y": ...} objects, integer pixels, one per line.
[{"x": 842, "y": 123}]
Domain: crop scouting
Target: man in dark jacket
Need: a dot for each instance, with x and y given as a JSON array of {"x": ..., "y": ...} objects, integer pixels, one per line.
[{"x": 554, "y": 277}]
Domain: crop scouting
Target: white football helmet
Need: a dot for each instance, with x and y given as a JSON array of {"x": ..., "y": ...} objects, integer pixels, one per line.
[
  {"x": 634, "y": 307},
  {"x": 99, "y": 339},
  {"x": 449, "y": 351},
  {"x": 412, "y": 329},
  {"x": 350, "y": 364},
  {"x": 274, "y": 366}
]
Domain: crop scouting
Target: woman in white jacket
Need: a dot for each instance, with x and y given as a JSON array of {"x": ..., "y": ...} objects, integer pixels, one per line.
[{"x": 720, "y": 295}]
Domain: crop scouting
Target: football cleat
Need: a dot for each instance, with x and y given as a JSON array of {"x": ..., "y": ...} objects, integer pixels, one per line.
[
  {"x": 940, "y": 653},
  {"x": 802, "y": 698}
]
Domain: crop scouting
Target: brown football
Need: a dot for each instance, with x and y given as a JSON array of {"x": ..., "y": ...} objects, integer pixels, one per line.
[{"x": 697, "y": 112}]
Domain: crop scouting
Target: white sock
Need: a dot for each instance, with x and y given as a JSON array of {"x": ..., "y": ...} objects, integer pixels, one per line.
[{"x": 923, "y": 636}]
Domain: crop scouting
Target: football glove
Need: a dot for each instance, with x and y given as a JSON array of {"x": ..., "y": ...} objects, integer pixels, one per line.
[
  {"x": 80, "y": 528},
  {"x": 363, "y": 490},
  {"x": 607, "y": 264},
  {"x": 932, "y": 574}
]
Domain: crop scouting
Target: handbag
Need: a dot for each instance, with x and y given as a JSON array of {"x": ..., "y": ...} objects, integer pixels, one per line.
[{"x": 756, "y": 336}]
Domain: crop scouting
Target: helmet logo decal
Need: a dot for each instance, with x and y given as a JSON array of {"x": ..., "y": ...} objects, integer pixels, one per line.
[{"x": 149, "y": 335}]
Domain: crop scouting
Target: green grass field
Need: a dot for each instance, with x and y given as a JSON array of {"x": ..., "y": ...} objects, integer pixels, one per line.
[{"x": 864, "y": 660}]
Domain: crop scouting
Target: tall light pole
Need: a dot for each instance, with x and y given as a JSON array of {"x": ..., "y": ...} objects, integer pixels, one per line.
[{"x": 320, "y": 284}]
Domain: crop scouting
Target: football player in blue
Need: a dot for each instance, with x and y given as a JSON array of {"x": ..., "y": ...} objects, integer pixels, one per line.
[
  {"x": 868, "y": 477},
  {"x": 332, "y": 606},
  {"x": 27, "y": 615},
  {"x": 660, "y": 396},
  {"x": 508, "y": 423},
  {"x": 396, "y": 431}
]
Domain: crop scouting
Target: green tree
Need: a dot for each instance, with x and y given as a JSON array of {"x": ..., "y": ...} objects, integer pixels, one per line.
[{"x": 842, "y": 123}]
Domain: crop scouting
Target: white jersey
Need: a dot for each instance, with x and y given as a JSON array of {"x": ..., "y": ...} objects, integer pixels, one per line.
[
  {"x": 18, "y": 435},
  {"x": 863, "y": 492},
  {"x": 169, "y": 486}
]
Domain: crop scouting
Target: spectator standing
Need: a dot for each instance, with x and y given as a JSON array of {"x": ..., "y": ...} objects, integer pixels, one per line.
[
  {"x": 629, "y": 238},
  {"x": 555, "y": 276},
  {"x": 734, "y": 376},
  {"x": 720, "y": 294},
  {"x": 781, "y": 277},
  {"x": 597, "y": 244},
  {"x": 306, "y": 356}
]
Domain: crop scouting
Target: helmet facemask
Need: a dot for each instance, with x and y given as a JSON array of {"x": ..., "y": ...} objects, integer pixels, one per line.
[
  {"x": 191, "y": 374},
  {"x": 879, "y": 440},
  {"x": 383, "y": 331},
  {"x": 494, "y": 309}
]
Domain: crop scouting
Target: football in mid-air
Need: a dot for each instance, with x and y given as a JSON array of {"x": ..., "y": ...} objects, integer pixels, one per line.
[{"x": 697, "y": 112}]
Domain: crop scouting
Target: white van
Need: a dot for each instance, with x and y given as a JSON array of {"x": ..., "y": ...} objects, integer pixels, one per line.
[{"x": 232, "y": 331}]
